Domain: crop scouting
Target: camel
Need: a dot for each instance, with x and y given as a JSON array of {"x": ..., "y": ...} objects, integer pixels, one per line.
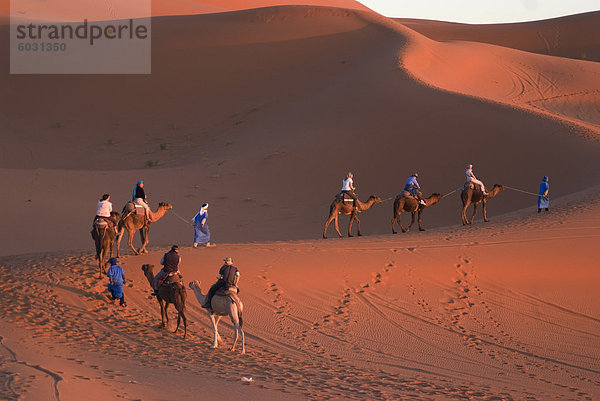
[
  {"x": 411, "y": 204},
  {"x": 346, "y": 208},
  {"x": 471, "y": 194},
  {"x": 223, "y": 305},
  {"x": 172, "y": 293},
  {"x": 104, "y": 238},
  {"x": 133, "y": 222}
]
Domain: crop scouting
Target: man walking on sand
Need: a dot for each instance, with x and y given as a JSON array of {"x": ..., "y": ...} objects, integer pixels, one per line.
[
  {"x": 116, "y": 279},
  {"x": 544, "y": 196}
]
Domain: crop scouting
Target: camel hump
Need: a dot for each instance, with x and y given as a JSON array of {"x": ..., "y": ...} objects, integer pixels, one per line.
[
  {"x": 128, "y": 208},
  {"x": 468, "y": 185},
  {"x": 405, "y": 194}
]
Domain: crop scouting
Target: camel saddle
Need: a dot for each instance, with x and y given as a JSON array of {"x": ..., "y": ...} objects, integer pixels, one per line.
[
  {"x": 102, "y": 223},
  {"x": 344, "y": 197},
  {"x": 231, "y": 292},
  {"x": 171, "y": 279},
  {"x": 468, "y": 185}
]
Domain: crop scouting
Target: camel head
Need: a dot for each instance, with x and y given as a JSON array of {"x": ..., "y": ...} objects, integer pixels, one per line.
[
  {"x": 165, "y": 205},
  {"x": 148, "y": 269},
  {"x": 375, "y": 199},
  {"x": 499, "y": 186},
  {"x": 195, "y": 285}
]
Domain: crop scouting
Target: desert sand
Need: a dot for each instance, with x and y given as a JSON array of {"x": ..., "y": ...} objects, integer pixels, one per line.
[{"x": 261, "y": 112}]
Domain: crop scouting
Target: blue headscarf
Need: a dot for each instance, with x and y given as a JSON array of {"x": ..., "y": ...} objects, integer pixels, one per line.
[
  {"x": 135, "y": 188},
  {"x": 545, "y": 179}
]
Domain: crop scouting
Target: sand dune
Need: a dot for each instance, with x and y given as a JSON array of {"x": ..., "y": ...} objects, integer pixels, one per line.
[
  {"x": 66, "y": 10},
  {"x": 571, "y": 36},
  {"x": 505, "y": 311},
  {"x": 261, "y": 113},
  {"x": 231, "y": 116}
]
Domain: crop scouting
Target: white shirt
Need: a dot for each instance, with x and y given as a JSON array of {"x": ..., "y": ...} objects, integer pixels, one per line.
[
  {"x": 104, "y": 208},
  {"x": 469, "y": 174},
  {"x": 347, "y": 184}
]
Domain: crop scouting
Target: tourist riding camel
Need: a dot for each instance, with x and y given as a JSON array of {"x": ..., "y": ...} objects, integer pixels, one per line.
[
  {"x": 228, "y": 278},
  {"x": 412, "y": 187},
  {"x": 103, "y": 210},
  {"x": 139, "y": 197},
  {"x": 170, "y": 262},
  {"x": 472, "y": 179},
  {"x": 348, "y": 188}
]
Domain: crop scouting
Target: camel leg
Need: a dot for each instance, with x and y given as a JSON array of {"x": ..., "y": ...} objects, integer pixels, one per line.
[
  {"x": 400, "y": 223},
  {"x": 180, "y": 317},
  {"x": 464, "y": 213},
  {"x": 119, "y": 236},
  {"x": 337, "y": 226},
  {"x": 474, "y": 212},
  {"x": 357, "y": 225},
  {"x": 327, "y": 223},
  {"x": 484, "y": 211},
  {"x": 419, "y": 219},
  {"x": 350, "y": 225},
  {"x": 130, "y": 241},
  {"x": 243, "y": 341},
  {"x": 412, "y": 221},
  {"x": 236, "y": 328},
  {"x": 393, "y": 225},
  {"x": 215, "y": 322},
  {"x": 145, "y": 239},
  {"x": 164, "y": 318}
]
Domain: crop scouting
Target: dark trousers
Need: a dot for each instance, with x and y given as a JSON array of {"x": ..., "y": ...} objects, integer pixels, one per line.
[{"x": 121, "y": 300}]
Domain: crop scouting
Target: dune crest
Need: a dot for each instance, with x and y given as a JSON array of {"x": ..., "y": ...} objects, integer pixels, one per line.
[{"x": 561, "y": 88}]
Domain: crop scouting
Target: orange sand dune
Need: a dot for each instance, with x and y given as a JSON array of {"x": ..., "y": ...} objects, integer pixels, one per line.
[
  {"x": 563, "y": 88},
  {"x": 261, "y": 113},
  {"x": 573, "y": 36},
  {"x": 68, "y": 10},
  {"x": 255, "y": 106},
  {"x": 504, "y": 311}
]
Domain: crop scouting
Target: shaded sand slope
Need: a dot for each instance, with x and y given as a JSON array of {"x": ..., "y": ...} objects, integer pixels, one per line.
[
  {"x": 573, "y": 36},
  {"x": 503, "y": 311},
  {"x": 262, "y": 113}
]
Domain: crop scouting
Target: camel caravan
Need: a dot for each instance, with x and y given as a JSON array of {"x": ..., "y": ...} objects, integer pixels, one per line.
[
  {"x": 222, "y": 298},
  {"x": 410, "y": 200}
]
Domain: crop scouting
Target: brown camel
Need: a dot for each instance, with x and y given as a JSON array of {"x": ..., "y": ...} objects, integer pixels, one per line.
[
  {"x": 104, "y": 238},
  {"x": 346, "y": 208},
  {"x": 223, "y": 305},
  {"x": 132, "y": 222},
  {"x": 171, "y": 293},
  {"x": 471, "y": 194},
  {"x": 404, "y": 203}
]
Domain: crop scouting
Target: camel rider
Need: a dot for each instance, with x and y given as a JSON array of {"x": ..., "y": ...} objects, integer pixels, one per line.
[
  {"x": 412, "y": 187},
  {"x": 471, "y": 178},
  {"x": 229, "y": 275},
  {"x": 349, "y": 188},
  {"x": 139, "y": 197},
  {"x": 170, "y": 262},
  {"x": 103, "y": 210}
]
